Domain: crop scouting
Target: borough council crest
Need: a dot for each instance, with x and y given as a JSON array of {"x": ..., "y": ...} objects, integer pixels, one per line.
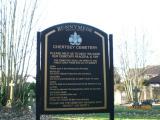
[{"x": 75, "y": 39}]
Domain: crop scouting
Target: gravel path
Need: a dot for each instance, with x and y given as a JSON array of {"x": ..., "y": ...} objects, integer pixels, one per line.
[
  {"x": 21, "y": 114},
  {"x": 16, "y": 114}
]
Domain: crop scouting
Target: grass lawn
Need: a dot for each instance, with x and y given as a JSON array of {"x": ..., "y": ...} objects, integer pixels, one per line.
[
  {"x": 94, "y": 116},
  {"x": 121, "y": 113}
]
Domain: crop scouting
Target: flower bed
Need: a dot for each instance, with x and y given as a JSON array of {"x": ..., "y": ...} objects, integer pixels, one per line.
[
  {"x": 130, "y": 113},
  {"x": 141, "y": 107}
]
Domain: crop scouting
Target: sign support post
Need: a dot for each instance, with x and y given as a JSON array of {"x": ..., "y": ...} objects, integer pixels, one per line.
[
  {"x": 38, "y": 78},
  {"x": 111, "y": 76}
]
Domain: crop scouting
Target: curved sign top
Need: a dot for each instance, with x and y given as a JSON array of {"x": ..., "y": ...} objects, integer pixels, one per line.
[{"x": 75, "y": 69}]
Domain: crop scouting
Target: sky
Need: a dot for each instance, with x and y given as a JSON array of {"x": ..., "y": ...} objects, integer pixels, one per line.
[{"x": 122, "y": 18}]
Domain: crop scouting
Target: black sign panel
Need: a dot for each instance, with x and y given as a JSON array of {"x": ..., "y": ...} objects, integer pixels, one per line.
[{"x": 74, "y": 69}]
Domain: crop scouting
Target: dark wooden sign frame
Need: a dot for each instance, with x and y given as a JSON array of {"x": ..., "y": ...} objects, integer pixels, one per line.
[{"x": 74, "y": 70}]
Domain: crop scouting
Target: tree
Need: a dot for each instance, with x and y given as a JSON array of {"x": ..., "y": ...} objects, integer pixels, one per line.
[
  {"x": 117, "y": 77},
  {"x": 133, "y": 63},
  {"x": 17, "y": 22}
]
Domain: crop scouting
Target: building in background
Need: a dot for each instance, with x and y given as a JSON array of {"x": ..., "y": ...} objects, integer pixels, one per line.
[{"x": 150, "y": 90}]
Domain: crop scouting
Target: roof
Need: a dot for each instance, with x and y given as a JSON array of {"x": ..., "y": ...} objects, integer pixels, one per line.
[
  {"x": 154, "y": 80},
  {"x": 154, "y": 70}
]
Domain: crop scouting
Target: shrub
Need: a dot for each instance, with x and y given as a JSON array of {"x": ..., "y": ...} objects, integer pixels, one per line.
[
  {"x": 3, "y": 98},
  {"x": 22, "y": 94}
]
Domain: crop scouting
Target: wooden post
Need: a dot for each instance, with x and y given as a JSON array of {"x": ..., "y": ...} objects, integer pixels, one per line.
[
  {"x": 11, "y": 84},
  {"x": 9, "y": 102}
]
